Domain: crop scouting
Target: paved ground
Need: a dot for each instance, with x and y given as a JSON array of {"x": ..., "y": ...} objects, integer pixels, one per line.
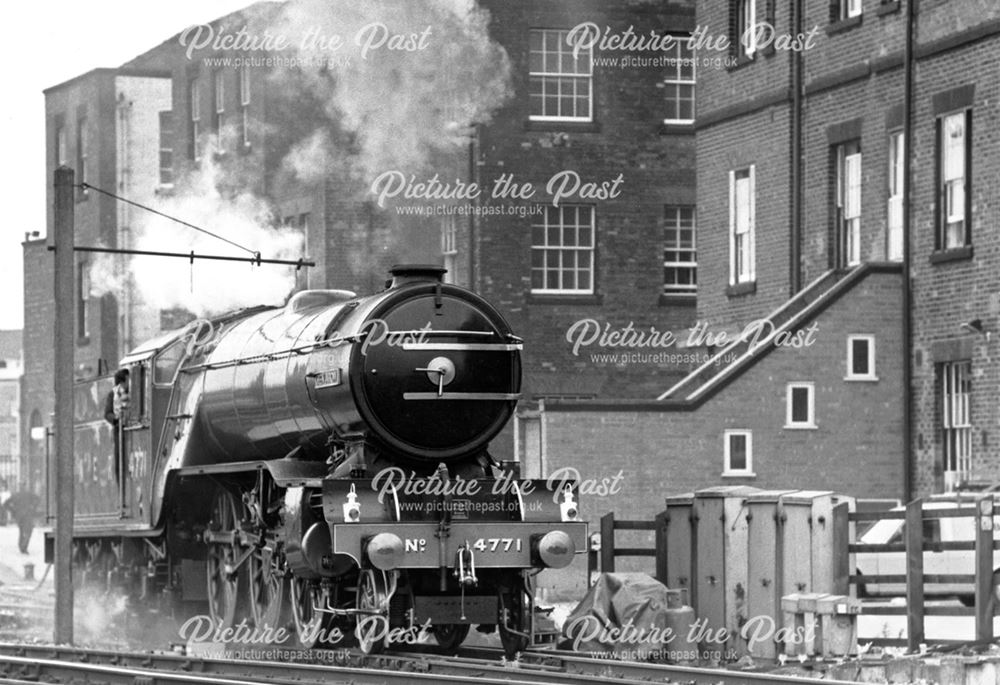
[
  {"x": 12, "y": 562},
  {"x": 25, "y": 605}
]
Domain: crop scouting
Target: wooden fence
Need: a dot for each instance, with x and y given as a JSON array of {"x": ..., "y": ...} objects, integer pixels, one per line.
[
  {"x": 913, "y": 547},
  {"x": 609, "y": 551}
]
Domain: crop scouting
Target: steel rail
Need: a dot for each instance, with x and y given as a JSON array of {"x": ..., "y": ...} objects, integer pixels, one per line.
[
  {"x": 579, "y": 664},
  {"x": 36, "y": 661},
  {"x": 188, "y": 671},
  {"x": 481, "y": 664}
]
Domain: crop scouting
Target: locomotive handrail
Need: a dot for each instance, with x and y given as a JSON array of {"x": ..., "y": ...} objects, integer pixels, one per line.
[
  {"x": 270, "y": 356},
  {"x": 433, "y": 332},
  {"x": 516, "y": 344}
]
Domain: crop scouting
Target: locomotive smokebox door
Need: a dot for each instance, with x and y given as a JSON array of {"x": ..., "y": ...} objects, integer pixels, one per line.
[{"x": 438, "y": 372}]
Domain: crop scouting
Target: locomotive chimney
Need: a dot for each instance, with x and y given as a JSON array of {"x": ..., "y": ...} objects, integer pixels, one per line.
[{"x": 413, "y": 273}]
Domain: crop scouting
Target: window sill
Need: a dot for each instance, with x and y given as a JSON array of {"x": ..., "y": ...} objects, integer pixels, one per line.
[
  {"x": 801, "y": 427},
  {"x": 861, "y": 379},
  {"x": 553, "y": 298},
  {"x": 741, "y": 61},
  {"x": 566, "y": 125},
  {"x": 844, "y": 25},
  {"x": 678, "y": 300},
  {"x": 741, "y": 289},
  {"x": 739, "y": 474},
  {"x": 890, "y": 7},
  {"x": 954, "y": 254},
  {"x": 668, "y": 128}
]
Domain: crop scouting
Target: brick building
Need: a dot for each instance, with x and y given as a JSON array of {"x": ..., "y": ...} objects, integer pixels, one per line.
[
  {"x": 104, "y": 124},
  {"x": 636, "y": 123},
  {"x": 867, "y": 150},
  {"x": 860, "y": 194}
]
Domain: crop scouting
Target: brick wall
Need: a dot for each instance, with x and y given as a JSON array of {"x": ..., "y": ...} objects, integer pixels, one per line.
[
  {"x": 38, "y": 382},
  {"x": 854, "y": 76},
  {"x": 90, "y": 99},
  {"x": 856, "y": 448},
  {"x": 951, "y": 293},
  {"x": 760, "y": 139},
  {"x": 626, "y": 137}
]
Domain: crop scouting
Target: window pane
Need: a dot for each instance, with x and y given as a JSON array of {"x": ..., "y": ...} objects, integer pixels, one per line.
[
  {"x": 955, "y": 196},
  {"x": 859, "y": 356},
  {"x": 956, "y": 421},
  {"x": 559, "y": 83},
  {"x": 954, "y": 146},
  {"x": 553, "y": 235},
  {"x": 562, "y": 245},
  {"x": 535, "y": 41},
  {"x": 742, "y": 205},
  {"x": 569, "y": 280},
  {"x": 737, "y": 452},
  {"x": 800, "y": 405},
  {"x": 686, "y": 106}
]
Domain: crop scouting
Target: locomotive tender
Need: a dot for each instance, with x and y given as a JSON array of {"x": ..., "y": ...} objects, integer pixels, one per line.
[{"x": 324, "y": 465}]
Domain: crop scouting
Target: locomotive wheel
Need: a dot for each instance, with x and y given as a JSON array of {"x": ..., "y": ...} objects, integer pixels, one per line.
[
  {"x": 450, "y": 636},
  {"x": 226, "y": 584},
  {"x": 373, "y": 598},
  {"x": 512, "y": 613},
  {"x": 269, "y": 588},
  {"x": 310, "y": 625}
]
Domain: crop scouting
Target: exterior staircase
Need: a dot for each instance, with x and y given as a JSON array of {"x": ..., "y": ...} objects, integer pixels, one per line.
[{"x": 743, "y": 352}]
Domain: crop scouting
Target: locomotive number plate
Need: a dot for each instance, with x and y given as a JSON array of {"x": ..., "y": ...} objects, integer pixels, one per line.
[
  {"x": 497, "y": 544},
  {"x": 328, "y": 379}
]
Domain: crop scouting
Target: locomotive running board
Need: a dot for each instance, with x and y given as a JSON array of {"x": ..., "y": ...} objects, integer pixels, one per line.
[{"x": 286, "y": 472}]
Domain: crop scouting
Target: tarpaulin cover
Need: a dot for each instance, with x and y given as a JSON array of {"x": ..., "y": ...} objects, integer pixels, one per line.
[{"x": 628, "y": 613}]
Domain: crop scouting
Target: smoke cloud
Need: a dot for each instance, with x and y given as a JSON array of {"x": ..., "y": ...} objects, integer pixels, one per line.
[
  {"x": 203, "y": 287},
  {"x": 408, "y": 81},
  {"x": 213, "y": 286},
  {"x": 402, "y": 92}
]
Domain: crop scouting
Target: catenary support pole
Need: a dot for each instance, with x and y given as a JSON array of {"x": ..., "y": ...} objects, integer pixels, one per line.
[{"x": 62, "y": 242}]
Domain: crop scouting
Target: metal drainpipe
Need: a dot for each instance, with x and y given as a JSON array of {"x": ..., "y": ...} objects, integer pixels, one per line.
[
  {"x": 908, "y": 460},
  {"x": 795, "y": 257}
]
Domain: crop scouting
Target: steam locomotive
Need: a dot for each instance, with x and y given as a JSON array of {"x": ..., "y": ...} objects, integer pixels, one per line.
[{"x": 324, "y": 466}]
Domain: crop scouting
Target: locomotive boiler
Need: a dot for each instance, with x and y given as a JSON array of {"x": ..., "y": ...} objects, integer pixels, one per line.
[{"x": 325, "y": 465}]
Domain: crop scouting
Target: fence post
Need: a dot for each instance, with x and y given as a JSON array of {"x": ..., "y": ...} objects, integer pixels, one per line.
[
  {"x": 914, "y": 531},
  {"x": 984, "y": 569},
  {"x": 608, "y": 543},
  {"x": 841, "y": 571},
  {"x": 660, "y": 540}
]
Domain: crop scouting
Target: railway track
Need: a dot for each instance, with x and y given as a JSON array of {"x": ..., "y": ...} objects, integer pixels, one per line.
[
  {"x": 575, "y": 663},
  {"x": 46, "y": 663}
]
